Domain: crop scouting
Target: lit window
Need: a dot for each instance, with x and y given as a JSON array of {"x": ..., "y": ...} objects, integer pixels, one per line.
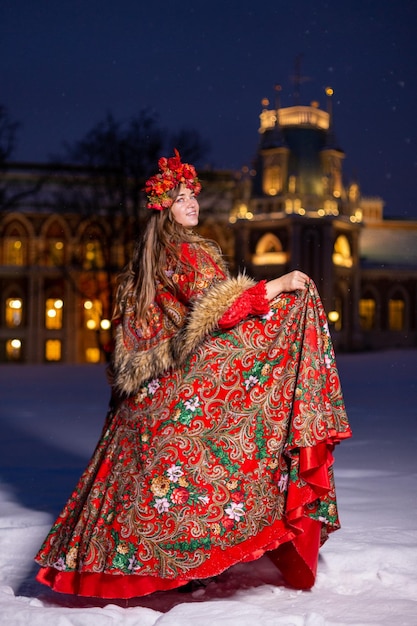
[
  {"x": 272, "y": 183},
  {"x": 55, "y": 252},
  {"x": 367, "y": 309},
  {"x": 14, "y": 350},
  {"x": 92, "y": 314},
  {"x": 396, "y": 314},
  {"x": 92, "y": 355},
  {"x": 14, "y": 312},
  {"x": 269, "y": 251},
  {"x": 335, "y": 316},
  {"x": 53, "y": 313},
  {"x": 342, "y": 255},
  {"x": 14, "y": 251},
  {"x": 93, "y": 255},
  {"x": 53, "y": 350}
]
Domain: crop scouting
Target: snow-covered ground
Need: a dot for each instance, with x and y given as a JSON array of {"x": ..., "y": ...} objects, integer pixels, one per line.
[{"x": 50, "y": 419}]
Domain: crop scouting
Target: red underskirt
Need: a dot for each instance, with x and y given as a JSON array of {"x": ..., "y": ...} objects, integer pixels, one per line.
[{"x": 293, "y": 546}]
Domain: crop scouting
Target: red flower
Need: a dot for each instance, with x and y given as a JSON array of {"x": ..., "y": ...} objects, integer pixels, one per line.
[
  {"x": 172, "y": 174},
  {"x": 180, "y": 495},
  {"x": 237, "y": 496},
  {"x": 228, "y": 523}
]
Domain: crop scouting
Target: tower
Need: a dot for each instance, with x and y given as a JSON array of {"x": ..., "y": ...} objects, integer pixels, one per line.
[{"x": 298, "y": 213}]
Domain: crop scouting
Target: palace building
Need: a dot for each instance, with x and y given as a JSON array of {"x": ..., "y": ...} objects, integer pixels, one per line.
[
  {"x": 64, "y": 238},
  {"x": 296, "y": 212}
]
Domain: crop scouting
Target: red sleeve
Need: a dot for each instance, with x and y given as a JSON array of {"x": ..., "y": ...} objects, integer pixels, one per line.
[{"x": 252, "y": 302}]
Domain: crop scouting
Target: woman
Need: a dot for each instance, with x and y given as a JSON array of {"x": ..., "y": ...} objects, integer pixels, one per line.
[{"x": 226, "y": 408}]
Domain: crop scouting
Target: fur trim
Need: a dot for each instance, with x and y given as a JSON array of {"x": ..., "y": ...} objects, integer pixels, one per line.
[
  {"x": 204, "y": 317},
  {"x": 132, "y": 368}
]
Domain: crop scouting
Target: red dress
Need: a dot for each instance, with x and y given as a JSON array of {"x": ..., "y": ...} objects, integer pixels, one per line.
[{"x": 223, "y": 456}]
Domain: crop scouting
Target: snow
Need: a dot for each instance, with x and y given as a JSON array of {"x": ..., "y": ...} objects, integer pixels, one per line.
[{"x": 51, "y": 418}]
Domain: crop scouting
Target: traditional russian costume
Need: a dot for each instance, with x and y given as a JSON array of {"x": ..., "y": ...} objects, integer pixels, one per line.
[{"x": 218, "y": 444}]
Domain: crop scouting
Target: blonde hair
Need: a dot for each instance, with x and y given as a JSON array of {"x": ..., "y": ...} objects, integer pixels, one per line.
[{"x": 161, "y": 238}]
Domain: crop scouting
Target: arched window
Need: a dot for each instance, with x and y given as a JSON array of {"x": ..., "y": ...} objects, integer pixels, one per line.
[
  {"x": 396, "y": 313},
  {"x": 398, "y": 309},
  {"x": 55, "y": 244},
  {"x": 269, "y": 251},
  {"x": 342, "y": 255},
  {"x": 15, "y": 245},
  {"x": 367, "y": 313},
  {"x": 92, "y": 249},
  {"x": 369, "y": 308}
]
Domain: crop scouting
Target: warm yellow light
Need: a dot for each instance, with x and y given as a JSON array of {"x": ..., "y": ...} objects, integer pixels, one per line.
[
  {"x": 16, "y": 344},
  {"x": 58, "y": 304},
  {"x": 333, "y": 316},
  {"x": 88, "y": 305},
  {"x": 17, "y": 245},
  {"x": 51, "y": 313},
  {"x": 59, "y": 245},
  {"x": 15, "y": 304},
  {"x": 91, "y": 324},
  {"x": 53, "y": 350},
  {"x": 321, "y": 212},
  {"x": 92, "y": 355},
  {"x": 105, "y": 324},
  {"x": 329, "y": 91}
]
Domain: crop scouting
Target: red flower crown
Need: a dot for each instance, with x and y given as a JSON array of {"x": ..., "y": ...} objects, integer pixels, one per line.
[{"x": 172, "y": 173}]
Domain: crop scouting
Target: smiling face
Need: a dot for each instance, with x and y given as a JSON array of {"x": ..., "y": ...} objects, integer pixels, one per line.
[{"x": 185, "y": 208}]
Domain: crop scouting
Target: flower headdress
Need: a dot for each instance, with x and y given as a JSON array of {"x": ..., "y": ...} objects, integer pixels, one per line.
[{"x": 172, "y": 173}]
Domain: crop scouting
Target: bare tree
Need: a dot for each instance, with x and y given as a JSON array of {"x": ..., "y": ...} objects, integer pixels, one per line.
[
  {"x": 11, "y": 194},
  {"x": 116, "y": 159}
]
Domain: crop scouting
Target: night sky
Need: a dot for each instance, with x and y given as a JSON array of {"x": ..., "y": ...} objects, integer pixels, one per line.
[{"x": 207, "y": 65}]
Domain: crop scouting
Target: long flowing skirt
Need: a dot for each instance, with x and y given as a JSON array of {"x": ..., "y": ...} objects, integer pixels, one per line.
[{"x": 214, "y": 463}]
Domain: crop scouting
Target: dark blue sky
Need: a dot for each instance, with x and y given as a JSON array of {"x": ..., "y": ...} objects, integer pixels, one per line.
[{"x": 64, "y": 64}]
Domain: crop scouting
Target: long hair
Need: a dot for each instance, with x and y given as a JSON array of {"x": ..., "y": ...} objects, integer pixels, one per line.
[{"x": 161, "y": 237}]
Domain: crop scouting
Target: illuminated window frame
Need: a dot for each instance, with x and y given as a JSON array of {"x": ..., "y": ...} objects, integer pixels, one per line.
[
  {"x": 14, "y": 350},
  {"x": 367, "y": 313},
  {"x": 15, "y": 249},
  {"x": 53, "y": 350},
  {"x": 396, "y": 314},
  {"x": 269, "y": 251},
  {"x": 54, "y": 313},
  {"x": 93, "y": 310},
  {"x": 93, "y": 254},
  {"x": 13, "y": 312}
]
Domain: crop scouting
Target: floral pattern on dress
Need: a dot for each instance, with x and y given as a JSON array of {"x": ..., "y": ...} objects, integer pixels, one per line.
[{"x": 209, "y": 456}]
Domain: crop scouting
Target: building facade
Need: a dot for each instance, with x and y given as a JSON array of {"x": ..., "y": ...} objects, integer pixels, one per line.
[{"x": 65, "y": 235}]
